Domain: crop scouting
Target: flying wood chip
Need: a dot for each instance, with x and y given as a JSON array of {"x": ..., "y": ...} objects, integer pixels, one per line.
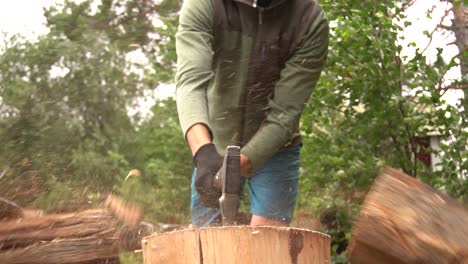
[{"x": 128, "y": 213}]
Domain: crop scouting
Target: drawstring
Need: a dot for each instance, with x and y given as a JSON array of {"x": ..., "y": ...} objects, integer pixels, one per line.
[
  {"x": 263, "y": 51},
  {"x": 260, "y": 15},
  {"x": 260, "y": 12}
]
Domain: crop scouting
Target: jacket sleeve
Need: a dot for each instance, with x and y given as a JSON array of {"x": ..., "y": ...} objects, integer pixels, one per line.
[
  {"x": 291, "y": 93},
  {"x": 194, "y": 62}
]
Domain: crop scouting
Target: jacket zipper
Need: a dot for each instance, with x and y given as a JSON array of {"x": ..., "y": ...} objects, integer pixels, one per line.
[{"x": 260, "y": 11}]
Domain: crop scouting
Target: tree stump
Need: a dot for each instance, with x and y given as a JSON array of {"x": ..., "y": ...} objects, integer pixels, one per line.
[
  {"x": 238, "y": 244},
  {"x": 403, "y": 220}
]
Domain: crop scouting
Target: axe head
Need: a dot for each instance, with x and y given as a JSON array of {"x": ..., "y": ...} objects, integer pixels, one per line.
[{"x": 230, "y": 179}]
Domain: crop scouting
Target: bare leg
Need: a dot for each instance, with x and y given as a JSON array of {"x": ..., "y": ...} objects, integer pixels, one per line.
[{"x": 262, "y": 221}]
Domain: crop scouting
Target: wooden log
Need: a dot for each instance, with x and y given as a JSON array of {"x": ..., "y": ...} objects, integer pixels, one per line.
[
  {"x": 238, "y": 244},
  {"x": 403, "y": 220},
  {"x": 50, "y": 227},
  {"x": 84, "y": 237},
  {"x": 80, "y": 250},
  {"x": 88, "y": 237}
]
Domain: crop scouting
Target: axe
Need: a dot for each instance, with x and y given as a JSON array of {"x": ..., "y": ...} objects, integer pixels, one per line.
[{"x": 228, "y": 179}]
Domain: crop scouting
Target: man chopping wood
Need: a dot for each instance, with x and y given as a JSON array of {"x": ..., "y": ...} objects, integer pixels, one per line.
[{"x": 245, "y": 70}]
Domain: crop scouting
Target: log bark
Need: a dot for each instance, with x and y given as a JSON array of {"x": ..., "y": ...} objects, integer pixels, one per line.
[
  {"x": 403, "y": 220},
  {"x": 84, "y": 237},
  {"x": 239, "y": 244}
]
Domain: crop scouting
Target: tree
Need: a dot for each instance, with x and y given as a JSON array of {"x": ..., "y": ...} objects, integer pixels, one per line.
[{"x": 65, "y": 99}]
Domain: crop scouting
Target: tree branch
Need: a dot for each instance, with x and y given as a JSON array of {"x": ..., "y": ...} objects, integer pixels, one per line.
[
  {"x": 405, "y": 6},
  {"x": 439, "y": 25},
  {"x": 455, "y": 87},
  {"x": 408, "y": 3}
]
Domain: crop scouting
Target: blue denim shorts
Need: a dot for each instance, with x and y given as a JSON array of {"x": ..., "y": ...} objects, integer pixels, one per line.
[{"x": 272, "y": 190}]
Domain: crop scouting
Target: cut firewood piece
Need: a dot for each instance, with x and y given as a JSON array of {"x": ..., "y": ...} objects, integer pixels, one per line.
[
  {"x": 129, "y": 213},
  {"x": 238, "y": 244},
  {"x": 403, "y": 220}
]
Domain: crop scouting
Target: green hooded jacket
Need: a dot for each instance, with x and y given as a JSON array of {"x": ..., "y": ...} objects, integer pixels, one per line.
[{"x": 246, "y": 72}]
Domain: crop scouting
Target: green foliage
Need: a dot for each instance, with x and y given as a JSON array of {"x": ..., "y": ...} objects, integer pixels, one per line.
[
  {"x": 131, "y": 258},
  {"x": 164, "y": 188}
]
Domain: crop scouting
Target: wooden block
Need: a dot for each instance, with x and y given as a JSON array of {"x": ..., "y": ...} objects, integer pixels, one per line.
[
  {"x": 238, "y": 244},
  {"x": 403, "y": 220}
]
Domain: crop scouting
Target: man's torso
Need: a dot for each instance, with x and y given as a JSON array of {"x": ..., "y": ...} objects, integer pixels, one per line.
[{"x": 251, "y": 46}]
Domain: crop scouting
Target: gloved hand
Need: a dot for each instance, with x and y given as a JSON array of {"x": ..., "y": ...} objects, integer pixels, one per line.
[{"x": 208, "y": 162}]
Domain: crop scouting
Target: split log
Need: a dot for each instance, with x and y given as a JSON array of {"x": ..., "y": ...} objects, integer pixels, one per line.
[
  {"x": 403, "y": 220},
  {"x": 238, "y": 244}
]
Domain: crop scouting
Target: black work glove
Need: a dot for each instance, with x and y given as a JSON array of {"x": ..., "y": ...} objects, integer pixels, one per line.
[{"x": 208, "y": 162}]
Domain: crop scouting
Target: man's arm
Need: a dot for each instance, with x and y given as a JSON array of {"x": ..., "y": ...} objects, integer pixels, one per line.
[
  {"x": 194, "y": 70},
  {"x": 291, "y": 93},
  {"x": 194, "y": 59},
  {"x": 197, "y": 136}
]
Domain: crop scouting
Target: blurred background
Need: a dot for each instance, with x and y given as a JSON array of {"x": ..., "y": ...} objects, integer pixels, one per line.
[{"x": 86, "y": 95}]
